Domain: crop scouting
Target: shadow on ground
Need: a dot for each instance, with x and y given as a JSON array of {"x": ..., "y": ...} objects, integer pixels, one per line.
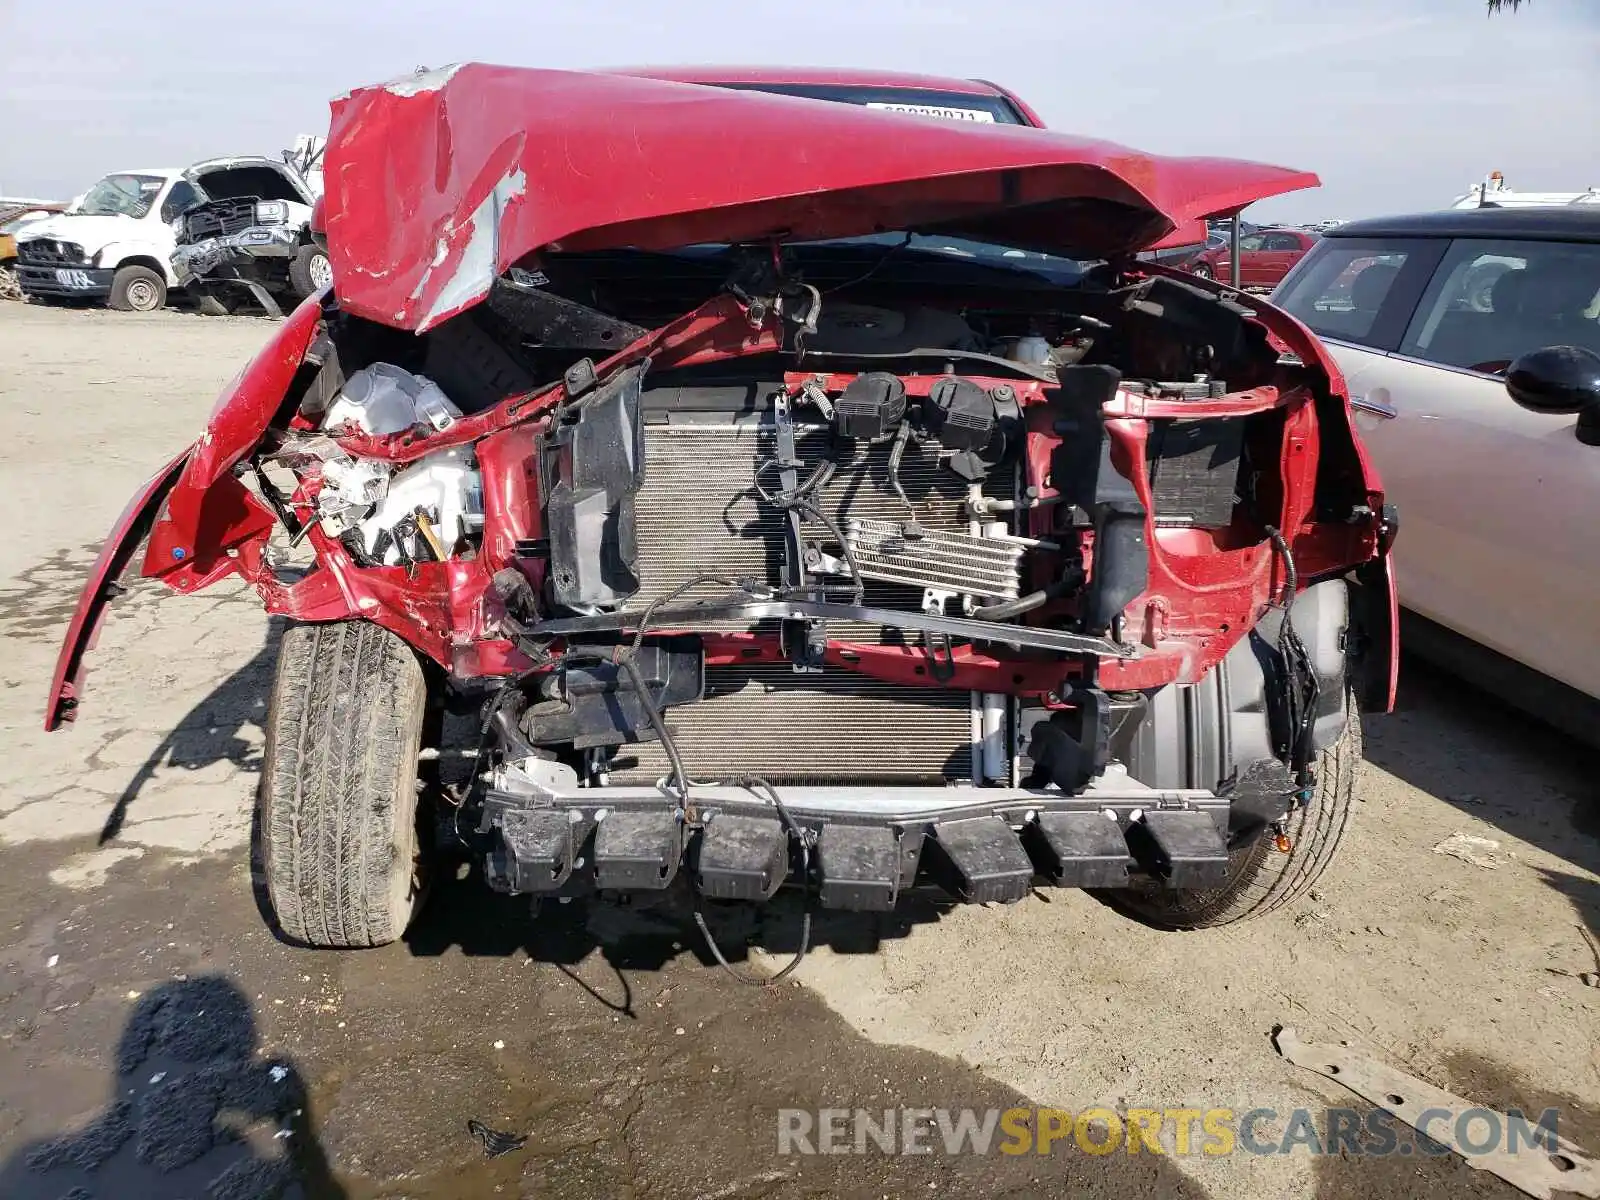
[
  {"x": 464, "y": 915},
  {"x": 211, "y": 731},
  {"x": 190, "y": 1111},
  {"x": 400, "y": 1053}
]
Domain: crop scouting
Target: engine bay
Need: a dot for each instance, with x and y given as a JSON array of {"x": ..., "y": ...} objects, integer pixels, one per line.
[{"x": 889, "y": 542}]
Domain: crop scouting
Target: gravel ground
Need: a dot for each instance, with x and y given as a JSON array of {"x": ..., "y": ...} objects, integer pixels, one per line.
[{"x": 141, "y": 993}]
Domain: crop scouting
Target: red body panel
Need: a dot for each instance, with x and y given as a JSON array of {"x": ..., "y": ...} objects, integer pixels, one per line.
[
  {"x": 194, "y": 511},
  {"x": 210, "y": 513},
  {"x": 438, "y": 184},
  {"x": 98, "y": 590}
]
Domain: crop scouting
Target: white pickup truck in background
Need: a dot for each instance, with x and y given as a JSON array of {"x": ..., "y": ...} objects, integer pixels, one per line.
[
  {"x": 250, "y": 238},
  {"x": 113, "y": 244},
  {"x": 1493, "y": 193},
  {"x": 223, "y": 227}
]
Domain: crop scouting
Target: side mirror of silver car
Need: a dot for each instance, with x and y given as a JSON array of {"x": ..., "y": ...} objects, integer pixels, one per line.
[{"x": 1560, "y": 380}]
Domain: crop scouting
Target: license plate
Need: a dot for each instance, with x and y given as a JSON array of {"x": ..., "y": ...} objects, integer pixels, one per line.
[
  {"x": 73, "y": 279},
  {"x": 938, "y": 110}
]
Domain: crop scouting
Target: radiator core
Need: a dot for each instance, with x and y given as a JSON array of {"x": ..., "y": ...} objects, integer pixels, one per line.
[{"x": 698, "y": 511}]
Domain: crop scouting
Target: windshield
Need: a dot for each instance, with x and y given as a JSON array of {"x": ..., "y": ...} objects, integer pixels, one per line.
[
  {"x": 988, "y": 253},
  {"x": 954, "y": 106},
  {"x": 122, "y": 195},
  {"x": 879, "y": 249}
]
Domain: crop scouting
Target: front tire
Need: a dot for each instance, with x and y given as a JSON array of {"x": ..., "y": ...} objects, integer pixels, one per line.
[
  {"x": 1262, "y": 878},
  {"x": 137, "y": 289},
  {"x": 340, "y": 841},
  {"x": 309, "y": 271}
]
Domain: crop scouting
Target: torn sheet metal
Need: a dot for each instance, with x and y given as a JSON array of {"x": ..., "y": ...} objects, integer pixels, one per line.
[
  {"x": 438, "y": 183},
  {"x": 1566, "y": 1170}
]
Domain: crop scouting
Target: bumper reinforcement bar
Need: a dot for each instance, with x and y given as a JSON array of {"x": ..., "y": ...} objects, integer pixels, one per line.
[{"x": 547, "y": 836}]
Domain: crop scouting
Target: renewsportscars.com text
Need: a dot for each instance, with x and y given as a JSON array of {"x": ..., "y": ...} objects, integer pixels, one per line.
[{"x": 1177, "y": 1131}]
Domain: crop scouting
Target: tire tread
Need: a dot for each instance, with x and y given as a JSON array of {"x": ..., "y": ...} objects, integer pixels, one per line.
[
  {"x": 338, "y": 786},
  {"x": 1263, "y": 878}
]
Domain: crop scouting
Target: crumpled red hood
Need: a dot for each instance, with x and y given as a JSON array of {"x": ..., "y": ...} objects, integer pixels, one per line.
[{"x": 439, "y": 182}]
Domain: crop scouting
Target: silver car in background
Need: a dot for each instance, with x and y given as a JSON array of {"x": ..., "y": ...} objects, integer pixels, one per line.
[{"x": 1470, "y": 341}]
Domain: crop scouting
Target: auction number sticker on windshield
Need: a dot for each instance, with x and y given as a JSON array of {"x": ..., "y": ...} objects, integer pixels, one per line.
[{"x": 938, "y": 110}]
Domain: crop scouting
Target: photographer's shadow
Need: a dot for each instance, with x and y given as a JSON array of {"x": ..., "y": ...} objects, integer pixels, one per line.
[{"x": 192, "y": 1112}]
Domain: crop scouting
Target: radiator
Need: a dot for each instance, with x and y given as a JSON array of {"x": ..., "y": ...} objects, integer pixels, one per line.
[
  {"x": 698, "y": 512},
  {"x": 836, "y": 727}
]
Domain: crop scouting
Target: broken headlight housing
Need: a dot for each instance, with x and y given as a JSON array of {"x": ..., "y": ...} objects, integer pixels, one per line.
[{"x": 272, "y": 212}]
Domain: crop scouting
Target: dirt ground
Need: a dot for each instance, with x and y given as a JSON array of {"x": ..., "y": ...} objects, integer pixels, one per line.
[{"x": 131, "y": 945}]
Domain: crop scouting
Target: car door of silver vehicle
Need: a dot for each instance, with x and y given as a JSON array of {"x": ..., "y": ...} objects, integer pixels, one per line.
[
  {"x": 1498, "y": 538},
  {"x": 1505, "y": 548}
]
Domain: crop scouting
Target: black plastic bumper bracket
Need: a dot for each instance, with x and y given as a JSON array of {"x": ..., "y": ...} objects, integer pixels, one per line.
[
  {"x": 1184, "y": 849},
  {"x": 988, "y": 859},
  {"x": 537, "y": 851},
  {"x": 859, "y": 866},
  {"x": 637, "y": 850},
  {"x": 742, "y": 858},
  {"x": 1084, "y": 849}
]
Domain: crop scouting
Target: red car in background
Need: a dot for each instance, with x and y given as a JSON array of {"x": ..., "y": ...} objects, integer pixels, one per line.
[{"x": 1265, "y": 257}]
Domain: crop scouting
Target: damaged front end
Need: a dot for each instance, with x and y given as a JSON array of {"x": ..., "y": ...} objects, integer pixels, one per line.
[
  {"x": 774, "y": 553},
  {"x": 250, "y": 235}
]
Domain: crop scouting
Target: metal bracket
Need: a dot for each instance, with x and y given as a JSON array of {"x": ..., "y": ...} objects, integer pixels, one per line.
[
  {"x": 804, "y": 641},
  {"x": 1544, "y": 1171},
  {"x": 738, "y": 606},
  {"x": 264, "y": 298},
  {"x": 934, "y": 642}
]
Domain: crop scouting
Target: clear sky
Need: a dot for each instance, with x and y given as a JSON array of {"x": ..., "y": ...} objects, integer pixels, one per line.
[{"x": 1397, "y": 104}]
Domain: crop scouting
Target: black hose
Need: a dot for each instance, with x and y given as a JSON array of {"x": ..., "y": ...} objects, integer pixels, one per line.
[
  {"x": 803, "y": 837},
  {"x": 1022, "y": 604},
  {"x": 1301, "y": 686},
  {"x": 896, "y": 455},
  {"x": 1291, "y": 577},
  {"x": 626, "y": 657},
  {"x": 859, "y": 582},
  {"x": 680, "y": 777},
  {"x": 802, "y": 499}
]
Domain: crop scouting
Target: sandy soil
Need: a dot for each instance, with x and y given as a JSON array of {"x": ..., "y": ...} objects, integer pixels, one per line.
[{"x": 124, "y": 851}]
